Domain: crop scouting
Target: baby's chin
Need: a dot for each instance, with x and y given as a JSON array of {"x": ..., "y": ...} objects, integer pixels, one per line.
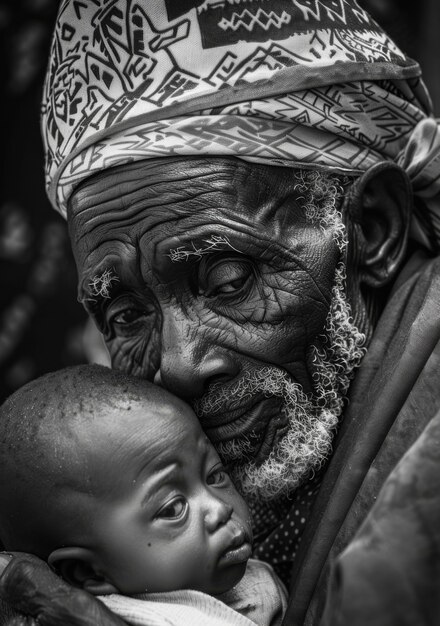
[{"x": 225, "y": 579}]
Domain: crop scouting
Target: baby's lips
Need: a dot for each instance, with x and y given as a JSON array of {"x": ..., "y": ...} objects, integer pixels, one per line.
[
  {"x": 237, "y": 554},
  {"x": 240, "y": 537}
]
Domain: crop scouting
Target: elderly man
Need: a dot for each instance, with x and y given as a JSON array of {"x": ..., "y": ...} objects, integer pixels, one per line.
[{"x": 252, "y": 194}]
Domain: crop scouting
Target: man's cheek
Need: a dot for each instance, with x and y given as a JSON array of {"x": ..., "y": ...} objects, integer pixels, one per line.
[
  {"x": 294, "y": 316},
  {"x": 137, "y": 356},
  {"x": 297, "y": 302}
]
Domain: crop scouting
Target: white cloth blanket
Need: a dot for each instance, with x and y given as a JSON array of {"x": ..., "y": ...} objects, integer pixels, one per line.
[{"x": 259, "y": 598}]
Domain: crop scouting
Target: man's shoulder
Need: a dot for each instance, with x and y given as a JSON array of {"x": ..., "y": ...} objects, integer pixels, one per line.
[
  {"x": 393, "y": 399},
  {"x": 392, "y": 567},
  {"x": 418, "y": 281}
]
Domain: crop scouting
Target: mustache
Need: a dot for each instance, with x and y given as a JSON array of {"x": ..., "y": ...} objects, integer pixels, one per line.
[{"x": 263, "y": 381}]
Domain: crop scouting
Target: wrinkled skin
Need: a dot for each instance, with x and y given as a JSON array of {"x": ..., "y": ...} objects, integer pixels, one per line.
[
  {"x": 262, "y": 298},
  {"x": 258, "y": 292}
]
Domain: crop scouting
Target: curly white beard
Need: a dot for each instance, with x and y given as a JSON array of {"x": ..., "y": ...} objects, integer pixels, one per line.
[{"x": 312, "y": 419}]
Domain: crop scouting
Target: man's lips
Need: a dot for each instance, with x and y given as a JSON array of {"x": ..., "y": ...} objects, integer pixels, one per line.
[
  {"x": 273, "y": 433},
  {"x": 233, "y": 412},
  {"x": 251, "y": 420}
]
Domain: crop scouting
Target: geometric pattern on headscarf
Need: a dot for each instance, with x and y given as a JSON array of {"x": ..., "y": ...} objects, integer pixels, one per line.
[{"x": 287, "y": 82}]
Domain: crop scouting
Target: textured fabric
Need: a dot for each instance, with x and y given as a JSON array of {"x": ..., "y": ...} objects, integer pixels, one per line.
[
  {"x": 131, "y": 80},
  {"x": 396, "y": 549},
  {"x": 393, "y": 399},
  {"x": 278, "y": 527},
  {"x": 259, "y": 598}
]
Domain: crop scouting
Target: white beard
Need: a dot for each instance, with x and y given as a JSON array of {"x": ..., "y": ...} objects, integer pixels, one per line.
[{"x": 312, "y": 419}]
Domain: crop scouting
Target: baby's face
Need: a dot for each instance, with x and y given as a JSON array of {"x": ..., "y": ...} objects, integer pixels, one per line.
[{"x": 171, "y": 517}]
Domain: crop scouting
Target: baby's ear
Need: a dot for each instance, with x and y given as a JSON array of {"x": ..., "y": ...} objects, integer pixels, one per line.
[{"x": 79, "y": 567}]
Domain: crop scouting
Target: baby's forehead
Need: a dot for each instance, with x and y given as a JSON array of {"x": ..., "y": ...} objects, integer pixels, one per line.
[
  {"x": 138, "y": 392},
  {"x": 155, "y": 407},
  {"x": 159, "y": 401},
  {"x": 135, "y": 418},
  {"x": 144, "y": 434}
]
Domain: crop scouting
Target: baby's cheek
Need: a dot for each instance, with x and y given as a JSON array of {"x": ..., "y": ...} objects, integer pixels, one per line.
[
  {"x": 177, "y": 568},
  {"x": 243, "y": 513}
]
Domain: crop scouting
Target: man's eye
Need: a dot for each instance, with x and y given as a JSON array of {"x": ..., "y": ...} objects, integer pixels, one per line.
[
  {"x": 124, "y": 315},
  {"x": 218, "y": 477},
  {"x": 129, "y": 316},
  {"x": 226, "y": 278},
  {"x": 176, "y": 509},
  {"x": 233, "y": 285}
]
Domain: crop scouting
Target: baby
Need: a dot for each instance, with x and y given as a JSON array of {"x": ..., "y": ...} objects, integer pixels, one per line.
[{"x": 113, "y": 482}]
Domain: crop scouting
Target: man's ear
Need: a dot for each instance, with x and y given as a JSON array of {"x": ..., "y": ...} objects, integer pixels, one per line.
[
  {"x": 379, "y": 206},
  {"x": 79, "y": 567}
]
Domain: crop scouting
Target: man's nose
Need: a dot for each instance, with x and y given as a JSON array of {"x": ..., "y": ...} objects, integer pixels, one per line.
[
  {"x": 217, "y": 514},
  {"x": 190, "y": 358}
]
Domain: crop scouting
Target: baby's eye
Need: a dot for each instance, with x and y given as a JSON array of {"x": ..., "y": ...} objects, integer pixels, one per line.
[
  {"x": 218, "y": 477},
  {"x": 175, "y": 509}
]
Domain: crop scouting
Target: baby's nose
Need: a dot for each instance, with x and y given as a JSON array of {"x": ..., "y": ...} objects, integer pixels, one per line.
[{"x": 217, "y": 514}]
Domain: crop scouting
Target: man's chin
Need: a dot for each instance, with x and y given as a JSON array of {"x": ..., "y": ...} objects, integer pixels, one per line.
[
  {"x": 263, "y": 484},
  {"x": 286, "y": 462}
]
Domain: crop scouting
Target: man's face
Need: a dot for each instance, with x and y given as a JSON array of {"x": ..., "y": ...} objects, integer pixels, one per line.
[{"x": 200, "y": 272}]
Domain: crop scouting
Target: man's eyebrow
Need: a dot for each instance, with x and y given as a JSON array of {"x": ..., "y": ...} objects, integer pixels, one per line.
[
  {"x": 100, "y": 286},
  {"x": 197, "y": 251}
]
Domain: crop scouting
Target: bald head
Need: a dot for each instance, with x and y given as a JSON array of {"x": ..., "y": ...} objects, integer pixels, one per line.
[{"x": 48, "y": 430}]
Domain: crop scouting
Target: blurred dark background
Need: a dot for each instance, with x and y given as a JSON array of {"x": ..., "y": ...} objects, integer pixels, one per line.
[{"x": 42, "y": 327}]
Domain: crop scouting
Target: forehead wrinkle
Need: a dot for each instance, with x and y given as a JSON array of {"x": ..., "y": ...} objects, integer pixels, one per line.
[
  {"x": 121, "y": 182},
  {"x": 202, "y": 234},
  {"x": 217, "y": 214},
  {"x": 174, "y": 205},
  {"x": 125, "y": 212},
  {"x": 104, "y": 208},
  {"x": 124, "y": 181},
  {"x": 228, "y": 175}
]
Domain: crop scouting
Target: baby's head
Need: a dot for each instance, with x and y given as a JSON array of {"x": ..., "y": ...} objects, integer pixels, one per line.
[{"x": 112, "y": 480}]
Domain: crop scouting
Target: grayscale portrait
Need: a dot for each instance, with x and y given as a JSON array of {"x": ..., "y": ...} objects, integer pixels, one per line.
[{"x": 241, "y": 426}]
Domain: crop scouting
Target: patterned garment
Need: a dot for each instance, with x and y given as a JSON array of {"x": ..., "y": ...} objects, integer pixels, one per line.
[
  {"x": 306, "y": 83},
  {"x": 278, "y": 527}
]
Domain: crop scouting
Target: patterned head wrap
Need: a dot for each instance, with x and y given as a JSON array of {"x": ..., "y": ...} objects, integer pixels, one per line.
[{"x": 299, "y": 83}]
